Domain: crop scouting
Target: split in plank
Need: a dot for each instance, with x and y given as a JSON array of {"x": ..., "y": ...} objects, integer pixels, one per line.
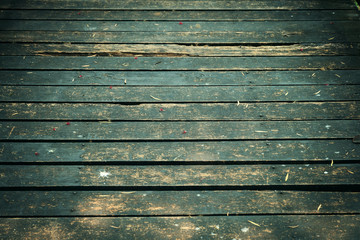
[
  {"x": 182, "y": 176},
  {"x": 179, "y": 78},
  {"x": 157, "y": 203},
  {"x": 229, "y": 130}
]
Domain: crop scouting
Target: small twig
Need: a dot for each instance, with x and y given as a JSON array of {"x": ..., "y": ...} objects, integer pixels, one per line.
[{"x": 11, "y": 132}]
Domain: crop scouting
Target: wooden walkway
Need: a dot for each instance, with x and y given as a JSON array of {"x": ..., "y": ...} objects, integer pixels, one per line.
[{"x": 179, "y": 119}]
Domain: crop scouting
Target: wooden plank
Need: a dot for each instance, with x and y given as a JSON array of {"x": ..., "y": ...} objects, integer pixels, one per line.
[
  {"x": 241, "y": 111},
  {"x": 300, "y": 151},
  {"x": 240, "y": 37},
  {"x": 180, "y": 63},
  {"x": 179, "y": 78},
  {"x": 174, "y": 50},
  {"x": 131, "y": 15},
  {"x": 179, "y": 175},
  {"x": 176, "y": 5},
  {"x": 120, "y": 94},
  {"x": 235, "y": 130},
  {"x": 155, "y": 203},
  {"x": 343, "y": 27},
  {"x": 207, "y": 227}
]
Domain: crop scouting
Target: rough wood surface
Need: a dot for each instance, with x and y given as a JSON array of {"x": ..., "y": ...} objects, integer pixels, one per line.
[
  {"x": 326, "y": 151},
  {"x": 176, "y": 5},
  {"x": 230, "y": 130},
  {"x": 180, "y": 63},
  {"x": 206, "y": 37},
  {"x": 171, "y": 15},
  {"x": 227, "y": 227},
  {"x": 175, "y": 50},
  {"x": 190, "y": 111},
  {"x": 179, "y": 78},
  {"x": 156, "y": 203},
  {"x": 309, "y": 176}
]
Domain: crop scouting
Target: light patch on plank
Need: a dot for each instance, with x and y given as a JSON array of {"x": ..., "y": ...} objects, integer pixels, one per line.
[{"x": 104, "y": 174}]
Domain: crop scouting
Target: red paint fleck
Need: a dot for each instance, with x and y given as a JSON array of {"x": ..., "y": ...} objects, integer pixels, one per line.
[
  {"x": 301, "y": 49},
  {"x": 180, "y": 23},
  {"x": 135, "y": 57},
  {"x": 80, "y": 76},
  {"x": 331, "y": 22},
  {"x": 161, "y": 110},
  {"x": 110, "y": 87},
  {"x": 54, "y": 129},
  {"x": 68, "y": 123},
  {"x": 79, "y": 13},
  {"x": 327, "y": 84},
  {"x": 36, "y": 153},
  {"x": 184, "y": 132}
]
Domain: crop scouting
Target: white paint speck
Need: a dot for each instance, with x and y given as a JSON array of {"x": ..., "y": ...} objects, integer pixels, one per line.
[
  {"x": 337, "y": 152},
  {"x": 198, "y": 195},
  {"x": 283, "y": 165},
  {"x": 176, "y": 225},
  {"x": 144, "y": 195},
  {"x": 213, "y": 234},
  {"x": 217, "y": 227},
  {"x": 74, "y": 131},
  {"x": 306, "y": 165},
  {"x": 51, "y": 151},
  {"x": 328, "y": 126},
  {"x": 300, "y": 167},
  {"x": 197, "y": 228},
  {"x": 326, "y": 158},
  {"x": 245, "y": 229},
  {"x": 325, "y": 172},
  {"x": 318, "y": 95},
  {"x": 104, "y": 174}
]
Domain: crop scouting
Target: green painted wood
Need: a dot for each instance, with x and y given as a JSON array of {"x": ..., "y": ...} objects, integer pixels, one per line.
[
  {"x": 155, "y": 203},
  {"x": 263, "y": 15},
  {"x": 176, "y": 5},
  {"x": 121, "y": 94},
  {"x": 234, "y": 130},
  {"x": 196, "y": 227},
  {"x": 171, "y": 152},
  {"x": 231, "y": 111},
  {"x": 268, "y": 36},
  {"x": 178, "y": 78},
  {"x": 175, "y": 50},
  {"x": 180, "y": 63},
  {"x": 334, "y": 150},
  {"x": 343, "y": 27},
  {"x": 179, "y": 175}
]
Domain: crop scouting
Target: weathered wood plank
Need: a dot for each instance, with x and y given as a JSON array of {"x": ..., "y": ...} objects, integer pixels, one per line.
[
  {"x": 180, "y": 63},
  {"x": 343, "y": 27},
  {"x": 239, "y": 111},
  {"x": 263, "y": 15},
  {"x": 173, "y": 50},
  {"x": 179, "y": 175},
  {"x": 178, "y": 78},
  {"x": 160, "y": 152},
  {"x": 234, "y": 130},
  {"x": 155, "y": 203},
  {"x": 176, "y": 5},
  {"x": 121, "y": 94},
  {"x": 206, "y": 227},
  {"x": 269, "y": 36}
]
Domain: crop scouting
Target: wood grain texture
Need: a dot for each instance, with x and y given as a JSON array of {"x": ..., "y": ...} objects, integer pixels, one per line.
[
  {"x": 180, "y": 63},
  {"x": 176, "y": 50},
  {"x": 171, "y": 15},
  {"x": 240, "y": 37},
  {"x": 300, "y": 151},
  {"x": 228, "y": 227},
  {"x": 230, "y": 130},
  {"x": 176, "y": 5},
  {"x": 176, "y": 112},
  {"x": 179, "y": 78},
  {"x": 157, "y": 203},
  {"x": 121, "y": 94},
  {"x": 179, "y": 176}
]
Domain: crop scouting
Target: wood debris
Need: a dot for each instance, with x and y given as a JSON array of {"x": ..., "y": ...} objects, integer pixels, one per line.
[
  {"x": 254, "y": 223},
  {"x": 155, "y": 98},
  {"x": 319, "y": 207}
]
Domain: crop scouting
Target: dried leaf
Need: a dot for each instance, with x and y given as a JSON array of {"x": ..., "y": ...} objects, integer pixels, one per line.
[{"x": 318, "y": 209}]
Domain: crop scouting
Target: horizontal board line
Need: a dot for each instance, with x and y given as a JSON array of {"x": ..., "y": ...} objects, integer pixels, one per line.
[{"x": 107, "y": 120}]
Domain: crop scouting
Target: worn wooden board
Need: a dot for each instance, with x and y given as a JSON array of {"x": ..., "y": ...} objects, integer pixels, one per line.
[
  {"x": 235, "y": 130},
  {"x": 179, "y": 63},
  {"x": 157, "y": 203},
  {"x": 195, "y": 112},
  {"x": 176, "y": 50},
  {"x": 121, "y": 94},
  {"x": 240, "y": 37},
  {"x": 343, "y": 27},
  {"x": 326, "y": 151},
  {"x": 171, "y": 15},
  {"x": 176, "y": 5},
  {"x": 179, "y": 78},
  {"x": 207, "y": 227},
  {"x": 134, "y": 177}
]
